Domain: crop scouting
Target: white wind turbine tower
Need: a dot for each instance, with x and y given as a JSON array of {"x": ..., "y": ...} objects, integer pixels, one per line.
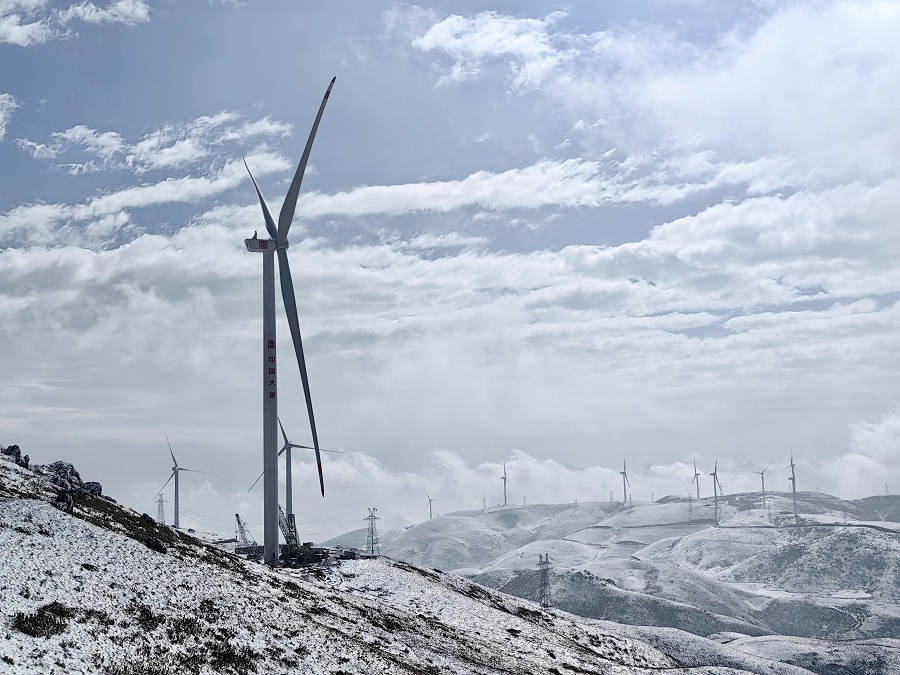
[
  {"x": 505, "y": 481},
  {"x": 428, "y": 505},
  {"x": 762, "y": 475},
  {"x": 175, "y": 471},
  {"x": 793, "y": 480},
  {"x": 625, "y": 482},
  {"x": 696, "y": 480},
  {"x": 716, "y": 482},
  {"x": 277, "y": 245}
]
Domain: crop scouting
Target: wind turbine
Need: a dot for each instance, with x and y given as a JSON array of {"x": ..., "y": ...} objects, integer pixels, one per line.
[
  {"x": 428, "y": 505},
  {"x": 625, "y": 482},
  {"x": 716, "y": 482},
  {"x": 696, "y": 480},
  {"x": 286, "y": 448},
  {"x": 278, "y": 244},
  {"x": 762, "y": 475},
  {"x": 793, "y": 480},
  {"x": 175, "y": 471},
  {"x": 505, "y": 481}
]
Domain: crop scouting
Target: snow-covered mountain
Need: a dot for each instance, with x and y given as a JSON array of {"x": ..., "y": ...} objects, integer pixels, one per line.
[
  {"x": 103, "y": 589},
  {"x": 668, "y": 564}
]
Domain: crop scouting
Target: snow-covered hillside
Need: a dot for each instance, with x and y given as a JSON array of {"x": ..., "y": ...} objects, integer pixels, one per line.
[
  {"x": 834, "y": 575},
  {"x": 106, "y": 590}
]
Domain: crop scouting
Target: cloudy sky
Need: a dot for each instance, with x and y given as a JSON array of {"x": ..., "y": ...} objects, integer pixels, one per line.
[{"x": 551, "y": 235}]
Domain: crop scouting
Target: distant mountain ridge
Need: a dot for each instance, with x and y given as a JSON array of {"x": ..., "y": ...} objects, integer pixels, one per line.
[{"x": 834, "y": 575}]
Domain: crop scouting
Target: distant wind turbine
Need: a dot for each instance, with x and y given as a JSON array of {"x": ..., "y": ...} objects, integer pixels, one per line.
[
  {"x": 505, "y": 481},
  {"x": 278, "y": 245},
  {"x": 762, "y": 475},
  {"x": 175, "y": 471},
  {"x": 716, "y": 482},
  {"x": 286, "y": 450},
  {"x": 793, "y": 480},
  {"x": 428, "y": 505},
  {"x": 696, "y": 480},
  {"x": 625, "y": 482}
]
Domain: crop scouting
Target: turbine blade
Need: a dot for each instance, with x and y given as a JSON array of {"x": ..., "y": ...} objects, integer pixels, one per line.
[
  {"x": 290, "y": 308},
  {"x": 267, "y": 215},
  {"x": 309, "y": 447},
  {"x": 767, "y": 467},
  {"x": 627, "y": 482},
  {"x": 290, "y": 201},
  {"x": 426, "y": 494},
  {"x": 174, "y": 461},
  {"x": 208, "y": 473},
  {"x": 256, "y": 481},
  {"x": 164, "y": 484},
  {"x": 283, "y": 435}
]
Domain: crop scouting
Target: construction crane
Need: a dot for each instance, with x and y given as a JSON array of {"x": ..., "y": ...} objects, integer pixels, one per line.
[
  {"x": 288, "y": 528},
  {"x": 246, "y": 544}
]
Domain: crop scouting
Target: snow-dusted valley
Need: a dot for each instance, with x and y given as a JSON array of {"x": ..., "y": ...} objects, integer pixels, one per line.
[{"x": 105, "y": 590}]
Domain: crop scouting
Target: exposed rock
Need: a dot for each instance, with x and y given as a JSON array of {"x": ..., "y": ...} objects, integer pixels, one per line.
[
  {"x": 93, "y": 488},
  {"x": 63, "y": 501},
  {"x": 61, "y": 483},
  {"x": 154, "y": 544},
  {"x": 14, "y": 452},
  {"x": 67, "y": 471}
]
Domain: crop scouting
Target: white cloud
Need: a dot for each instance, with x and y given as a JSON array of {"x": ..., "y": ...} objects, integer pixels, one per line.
[
  {"x": 173, "y": 146},
  {"x": 570, "y": 183},
  {"x": 7, "y": 105},
  {"x": 45, "y": 223},
  {"x": 128, "y": 12},
  {"x": 33, "y": 22},
  {"x": 811, "y": 84},
  {"x": 489, "y": 36},
  {"x": 872, "y": 461}
]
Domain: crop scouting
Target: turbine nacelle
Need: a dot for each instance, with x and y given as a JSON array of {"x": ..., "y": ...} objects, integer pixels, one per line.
[{"x": 256, "y": 245}]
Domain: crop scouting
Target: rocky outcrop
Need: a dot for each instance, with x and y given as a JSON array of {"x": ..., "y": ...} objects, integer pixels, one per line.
[
  {"x": 16, "y": 454},
  {"x": 67, "y": 483}
]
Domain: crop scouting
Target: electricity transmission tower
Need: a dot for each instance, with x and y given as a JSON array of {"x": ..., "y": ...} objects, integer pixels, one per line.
[
  {"x": 544, "y": 567},
  {"x": 160, "y": 510},
  {"x": 372, "y": 535}
]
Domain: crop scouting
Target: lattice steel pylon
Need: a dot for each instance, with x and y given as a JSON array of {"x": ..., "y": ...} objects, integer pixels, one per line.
[
  {"x": 372, "y": 535},
  {"x": 544, "y": 567},
  {"x": 160, "y": 510}
]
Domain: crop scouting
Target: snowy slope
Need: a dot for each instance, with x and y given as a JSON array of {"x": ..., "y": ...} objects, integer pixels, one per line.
[
  {"x": 83, "y": 593},
  {"x": 667, "y": 564}
]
